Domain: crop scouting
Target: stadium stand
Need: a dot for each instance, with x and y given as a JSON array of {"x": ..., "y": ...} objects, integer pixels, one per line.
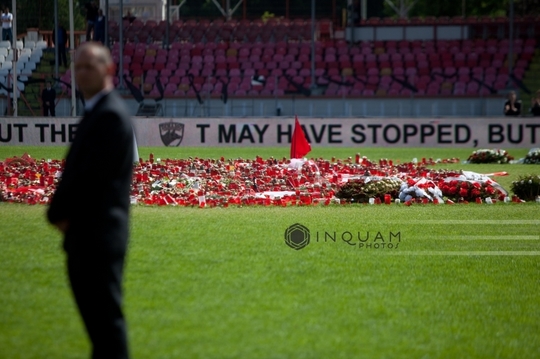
[
  {"x": 440, "y": 69},
  {"x": 273, "y": 58}
]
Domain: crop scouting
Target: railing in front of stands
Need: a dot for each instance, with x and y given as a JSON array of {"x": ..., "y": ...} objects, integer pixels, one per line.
[{"x": 79, "y": 35}]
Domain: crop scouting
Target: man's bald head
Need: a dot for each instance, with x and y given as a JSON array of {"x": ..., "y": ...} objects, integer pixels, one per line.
[
  {"x": 94, "y": 68},
  {"x": 100, "y": 52}
]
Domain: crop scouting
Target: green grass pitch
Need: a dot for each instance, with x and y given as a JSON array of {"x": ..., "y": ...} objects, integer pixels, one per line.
[{"x": 459, "y": 281}]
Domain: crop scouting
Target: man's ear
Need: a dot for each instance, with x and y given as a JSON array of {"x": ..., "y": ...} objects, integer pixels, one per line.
[{"x": 111, "y": 70}]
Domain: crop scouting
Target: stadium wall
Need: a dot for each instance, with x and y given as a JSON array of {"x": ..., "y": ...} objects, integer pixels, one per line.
[
  {"x": 424, "y": 107},
  {"x": 323, "y": 132}
]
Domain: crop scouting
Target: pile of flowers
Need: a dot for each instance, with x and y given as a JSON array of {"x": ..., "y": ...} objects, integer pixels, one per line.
[
  {"x": 422, "y": 190},
  {"x": 360, "y": 190},
  {"x": 527, "y": 187},
  {"x": 490, "y": 156},
  {"x": 25, "y": 180},
  {"x": 533, "y": 157},
  {"x": 223, "y": 182},
  {"x": 468, "y": 191}
]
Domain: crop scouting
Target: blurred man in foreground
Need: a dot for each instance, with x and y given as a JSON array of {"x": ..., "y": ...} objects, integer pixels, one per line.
[{"x": 91, "y": 204}]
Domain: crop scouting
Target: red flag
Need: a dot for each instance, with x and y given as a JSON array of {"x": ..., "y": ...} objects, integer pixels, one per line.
[{"x": 299, "y": 144}]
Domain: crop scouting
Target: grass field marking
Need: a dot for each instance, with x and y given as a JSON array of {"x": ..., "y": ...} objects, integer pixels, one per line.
[
  {"x": 481, "y": 238},
  {"x": 460, "y": 253},
  {"x": 473, "y": 221}
]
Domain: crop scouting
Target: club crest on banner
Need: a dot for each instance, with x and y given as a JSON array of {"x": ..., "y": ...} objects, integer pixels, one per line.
[{"x": 171, "y": 133}]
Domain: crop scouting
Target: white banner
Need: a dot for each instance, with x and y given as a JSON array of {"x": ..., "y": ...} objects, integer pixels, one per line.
[{"x": 500, "y": 132}]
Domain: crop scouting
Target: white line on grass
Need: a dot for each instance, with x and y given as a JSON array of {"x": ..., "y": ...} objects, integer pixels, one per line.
[
  {"x": 481, "y": 238},
  {"x": 462, "y": 253},
  {"x": 472, "y": 221}
]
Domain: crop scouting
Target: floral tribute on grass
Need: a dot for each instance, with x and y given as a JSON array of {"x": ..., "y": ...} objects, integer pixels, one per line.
[
  {"x": 199, "y": 182},
  {"x": 533, "y": 157},
  {"x": 360, "y": 190},
  {"x": 527, "y": 187},
  {"x": 490, "y": 156}
]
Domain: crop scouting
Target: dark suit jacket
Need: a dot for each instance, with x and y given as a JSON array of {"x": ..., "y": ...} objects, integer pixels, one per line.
[
  {"x": 535, "y": 110},
  {"x": 48, "y": 96},
  {"x": 62, "y": 37},
  {"x": 91, "y": 12},
  {"x": 93, "y": 194},
  {"x": 517, "y": 105}
]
